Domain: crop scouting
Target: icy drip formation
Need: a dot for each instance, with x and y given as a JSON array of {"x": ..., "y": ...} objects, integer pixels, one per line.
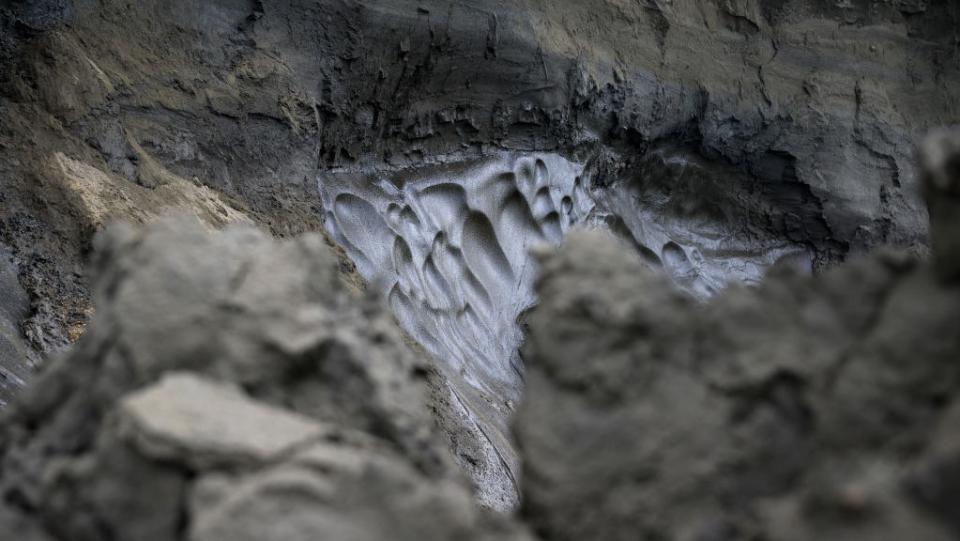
[{"x": 449, "y": 248}]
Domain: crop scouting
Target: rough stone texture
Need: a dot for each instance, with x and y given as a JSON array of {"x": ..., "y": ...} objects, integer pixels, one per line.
[
  {"x": 15, "y": 354},
  {"x": 792, "y": 119},
  {"x": 330, "y": 491},
  {"x": 804, "y": 408},
  {"x": 232, "y": 387}
]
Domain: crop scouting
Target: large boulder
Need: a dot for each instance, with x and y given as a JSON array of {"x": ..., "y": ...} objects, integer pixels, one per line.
[{"x": 232, "y": 387}]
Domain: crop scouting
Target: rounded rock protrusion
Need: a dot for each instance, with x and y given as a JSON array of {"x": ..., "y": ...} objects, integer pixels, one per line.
[{"x": 939, "y": 157}]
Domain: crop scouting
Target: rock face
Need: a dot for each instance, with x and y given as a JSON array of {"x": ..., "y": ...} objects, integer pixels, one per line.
[
  {"x": 437, "y": 142},
  {"x": 450, "y": 250},
  {"x": 231, "y": 387},
  {"x": 804, "y": 109},
  {"x": 804, "y": 408}
]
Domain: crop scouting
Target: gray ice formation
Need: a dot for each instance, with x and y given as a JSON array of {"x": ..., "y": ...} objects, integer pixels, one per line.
[{"x": 448, "y": 246}]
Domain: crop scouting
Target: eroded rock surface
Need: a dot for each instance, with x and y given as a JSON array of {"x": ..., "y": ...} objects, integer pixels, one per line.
[
  {"x": 448, "y": 247},
  {"x": 706, "y": 228}
]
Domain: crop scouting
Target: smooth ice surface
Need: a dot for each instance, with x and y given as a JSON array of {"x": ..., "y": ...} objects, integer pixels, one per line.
[{"x": 449, "y": 247}]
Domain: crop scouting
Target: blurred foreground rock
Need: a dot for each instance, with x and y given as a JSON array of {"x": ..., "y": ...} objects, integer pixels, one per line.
[
  {"x": 230, "y": 388},
  {"x": 807, "y": 408}
]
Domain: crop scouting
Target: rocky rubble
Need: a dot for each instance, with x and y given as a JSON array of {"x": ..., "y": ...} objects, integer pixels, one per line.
[
  {"x": 232, "y": 387},
  {"x": 805, "y": 408}
]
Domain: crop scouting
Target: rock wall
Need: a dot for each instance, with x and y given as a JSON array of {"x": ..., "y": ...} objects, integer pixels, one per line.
[
  {"x": 719, "y": 138},
  {"x": 807, "y": 108},
  {"x": 232, "y": 386}
]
